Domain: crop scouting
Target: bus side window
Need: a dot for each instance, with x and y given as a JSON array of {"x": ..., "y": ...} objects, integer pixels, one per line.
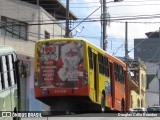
[
  {"x": 14, "y": 67},
  {"x": 90, "y": 58},
  {"x": 4, "y": 72},
  {"x": 121, "y": 75},
  {"x": 0, "y": 83},
  {"x": 8, "y": 70},
  {"x": 0, "y": 74},
  {"x": 115, "y": 71},
  {"x": 106, "y": 68},
  {"x": 14, "y": 57},
  {"x": 11, "y": 70},
  {"x": 100, "y": 62}
]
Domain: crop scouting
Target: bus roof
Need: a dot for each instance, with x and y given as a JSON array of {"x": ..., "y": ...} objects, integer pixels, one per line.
[
  {"x": 111, "y": 57},
  {"x": 6, "y": 49}
]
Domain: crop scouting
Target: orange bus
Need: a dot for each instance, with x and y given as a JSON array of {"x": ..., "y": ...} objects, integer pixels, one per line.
[{"x": 72, "y": 74}]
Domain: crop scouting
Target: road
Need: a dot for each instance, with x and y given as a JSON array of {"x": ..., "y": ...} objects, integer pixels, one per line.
[{"x": 98, "y": 116}]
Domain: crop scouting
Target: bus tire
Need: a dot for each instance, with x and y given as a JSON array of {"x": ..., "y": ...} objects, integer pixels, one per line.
[{"x": 103, "y": 103}]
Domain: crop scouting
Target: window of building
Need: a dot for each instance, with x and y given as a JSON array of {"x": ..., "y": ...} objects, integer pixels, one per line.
[
  {"x": 13, "y": 28},
  {"x": 138, "y": 103},
  {"x": 47, "y": 35},
  {"x": 144, "y": 49},
  {"x": 143, "y": 79},
  {"x": 142, "y": 103},
  {"x": 138, "y": 49},
  {"x": 151, "y": 49}
]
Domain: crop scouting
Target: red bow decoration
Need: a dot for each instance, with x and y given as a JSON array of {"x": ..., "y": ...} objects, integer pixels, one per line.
[{"x": 48, "y": 49}]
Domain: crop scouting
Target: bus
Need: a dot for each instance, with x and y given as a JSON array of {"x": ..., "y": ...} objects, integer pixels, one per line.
[
  {"x": 9, "y": 81},
  {"x": 72, "y": 74}
]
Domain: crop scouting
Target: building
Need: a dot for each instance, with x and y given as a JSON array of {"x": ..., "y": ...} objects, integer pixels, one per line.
[
  {"x": 22, "y": 22},
  {"x": 137, "y": 82},
  {"x": 152, "y": 92},
  {"x": 147, "y": 49}
]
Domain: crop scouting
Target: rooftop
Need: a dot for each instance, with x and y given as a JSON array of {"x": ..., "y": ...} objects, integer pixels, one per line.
[{"x": 55, "y": 7}]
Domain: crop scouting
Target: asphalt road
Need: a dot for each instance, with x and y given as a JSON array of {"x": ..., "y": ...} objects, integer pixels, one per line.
[{"x": 98, "y": 116}]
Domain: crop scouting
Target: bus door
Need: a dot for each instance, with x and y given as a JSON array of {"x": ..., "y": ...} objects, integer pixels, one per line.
[
  {"x": 112, "y": 83},
  {"x": 96, "y": 85}
]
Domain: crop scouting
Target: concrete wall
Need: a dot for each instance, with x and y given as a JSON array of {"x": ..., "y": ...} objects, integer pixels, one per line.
[
  {"x": 152, "y": 98},
  {"x": 138, "y": 95},
  {"x": 135, "y": 97},
  {"x": 152, "y": 94},
  {"x": 29, "y": 14},
  {"x": 147, "y": 49},
  {"x": 142, "y": 78}
]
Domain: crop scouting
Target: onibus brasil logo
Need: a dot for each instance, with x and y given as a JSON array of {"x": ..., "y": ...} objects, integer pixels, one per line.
[{"x": 21, "y": 114}]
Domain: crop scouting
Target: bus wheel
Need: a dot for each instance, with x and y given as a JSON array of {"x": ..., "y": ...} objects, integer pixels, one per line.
[{"x": 103, "y": 104}]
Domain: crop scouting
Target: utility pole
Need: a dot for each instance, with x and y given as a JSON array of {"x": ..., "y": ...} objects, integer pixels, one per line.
[
  {"x": 126, "y": 40},
  {"x": 104, "y": 41},
  {"x": 104, "y": 23},
  {"x": 67, "y": 20},
  {"x": 39, "y": 27}
]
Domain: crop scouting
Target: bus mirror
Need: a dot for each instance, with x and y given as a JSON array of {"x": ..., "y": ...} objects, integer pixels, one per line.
[{"x": 23, "y": 70}]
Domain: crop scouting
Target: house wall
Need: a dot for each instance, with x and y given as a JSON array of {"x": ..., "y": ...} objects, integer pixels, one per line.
[
  {"x": 152, "y": 94},
  {"x": 142, "y": 78},
  {"x": 28, "y": 13},
  {"x": 147, "y": 50},
  {"x": 138, "y": 94}
]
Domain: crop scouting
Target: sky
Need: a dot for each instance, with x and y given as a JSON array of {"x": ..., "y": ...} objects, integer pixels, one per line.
[{"x": 141, "y": 15}]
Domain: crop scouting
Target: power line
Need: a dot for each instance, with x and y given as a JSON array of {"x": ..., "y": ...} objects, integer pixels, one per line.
[
  {"x": 86, "y": 18},
  {"x": 114, "y": 53},
  {"x": 140, "y": 42},
  {"x": 134, "y": 5},
  {"x": 119, "y": 20},
  {"x": 154, "y": 54}
]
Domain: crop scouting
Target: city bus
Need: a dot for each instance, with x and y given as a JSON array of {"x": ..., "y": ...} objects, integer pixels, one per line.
[
  {"x": 72, "y": 74},
  {"x": 9, "y": 81}
]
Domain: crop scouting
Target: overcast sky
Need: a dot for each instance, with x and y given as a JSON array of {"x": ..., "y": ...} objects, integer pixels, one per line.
[{"x": 130, "y": 11}]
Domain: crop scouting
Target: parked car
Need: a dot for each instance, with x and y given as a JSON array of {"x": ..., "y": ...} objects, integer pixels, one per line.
[
  {"x": 137, "y": 110},
  {"x": 153, "y": 109}
]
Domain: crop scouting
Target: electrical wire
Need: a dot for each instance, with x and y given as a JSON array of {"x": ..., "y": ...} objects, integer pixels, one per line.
[
  {"x": 86, "y": 18},
  {"x": 141, "y": 42},
  {"x": 114, "y": 53}
]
